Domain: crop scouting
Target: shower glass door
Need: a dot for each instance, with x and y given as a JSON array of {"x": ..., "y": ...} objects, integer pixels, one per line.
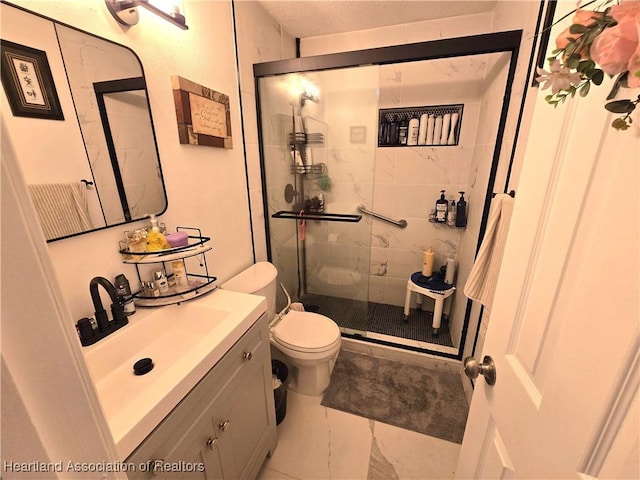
[{"x": 318, "y": 141}]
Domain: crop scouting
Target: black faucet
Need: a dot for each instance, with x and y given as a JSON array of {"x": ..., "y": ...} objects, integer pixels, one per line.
[
  {"x": 105, "y": 327},
  {"x": 117, "y": 309}
]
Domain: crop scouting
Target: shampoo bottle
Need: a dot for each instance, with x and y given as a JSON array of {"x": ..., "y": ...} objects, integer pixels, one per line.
[
  {"x": 394, "y": 131},
  {"x": 450, "y": 271},
  {"x": 403, "y": 133},
  {"x": 414, "y": 130},
  {"x": 427, "y": 263},
  {"x": 461, "y": 211},
  {"x": 441, "y": 208},
  {"x": 422, "y": 130},
  {"x": 383, "y": 133}
]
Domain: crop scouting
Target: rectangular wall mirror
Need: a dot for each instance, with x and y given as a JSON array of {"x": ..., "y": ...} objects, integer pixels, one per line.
[{"x": 99, "y": 166}]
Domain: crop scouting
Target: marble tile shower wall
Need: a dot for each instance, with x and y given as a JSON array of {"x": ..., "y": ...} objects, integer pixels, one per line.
[
  {"x": 372, "y": 260},
  {"x": 408, "y": 180},
  {"x": 338, "y": 254}
]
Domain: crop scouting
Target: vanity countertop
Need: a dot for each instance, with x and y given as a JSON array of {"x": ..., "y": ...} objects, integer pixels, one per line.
[{"x": 184, "y": 342}]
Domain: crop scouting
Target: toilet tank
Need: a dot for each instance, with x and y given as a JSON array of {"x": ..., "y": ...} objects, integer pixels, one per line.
[{"x": 258, "y": 279}]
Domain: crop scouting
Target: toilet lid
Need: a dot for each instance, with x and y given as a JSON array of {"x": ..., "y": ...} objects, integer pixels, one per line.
[{"x": 306, "y": 331}]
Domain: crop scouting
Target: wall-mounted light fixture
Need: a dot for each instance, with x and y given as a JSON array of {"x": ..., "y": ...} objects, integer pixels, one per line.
[{"x": 126, "y": 11}]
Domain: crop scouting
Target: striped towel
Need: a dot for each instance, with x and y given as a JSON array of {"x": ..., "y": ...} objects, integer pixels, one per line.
[
  {"x": 482, "y": 280},
  {"x": 62, "y": 208}
]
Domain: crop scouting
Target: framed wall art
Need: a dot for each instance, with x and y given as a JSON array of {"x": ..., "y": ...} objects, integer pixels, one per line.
[
  {"x": 203, "y": 114},
  {"x": 28, "y": 83}
]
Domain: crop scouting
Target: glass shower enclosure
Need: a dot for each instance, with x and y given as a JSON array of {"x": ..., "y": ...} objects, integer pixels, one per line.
[{"x": 335, "y": 147}]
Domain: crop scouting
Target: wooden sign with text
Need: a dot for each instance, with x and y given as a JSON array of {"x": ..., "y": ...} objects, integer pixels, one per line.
[{"x": 203, "y": 114}]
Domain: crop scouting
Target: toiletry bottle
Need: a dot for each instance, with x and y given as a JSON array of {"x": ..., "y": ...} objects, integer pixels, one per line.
[
  {"x": 441, "y": 208},
  {"x": 422, "y": 129},
  {"x": 450, "y": 271},
  {"x": 403, "y": 132},
  {"x": 155, "y": 240},
  {"x": 414, "y": 130},
  {"x": 451, "y": 214},
  {"x": 123, "y": 294},
  {"x": 383, "y": 134},
  {"x": 461, "y": 211},
  {"x": 179, "y": 274},
  {"x": 394, "y": 128},
  {"x": 427, "y": 262},
  {"x": 161, "y": 281}
]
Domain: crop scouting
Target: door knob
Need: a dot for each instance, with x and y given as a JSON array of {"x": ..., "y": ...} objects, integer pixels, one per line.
[
  {"x": 487, "y": 369},
  {"x": 224, "y": 425},
  {"x": 211, "y": 443}
]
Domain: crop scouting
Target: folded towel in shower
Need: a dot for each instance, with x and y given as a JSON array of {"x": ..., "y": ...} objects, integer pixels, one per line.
[
  {"x": 481, "y": 283},
  {"x": 62, "y": 208}
]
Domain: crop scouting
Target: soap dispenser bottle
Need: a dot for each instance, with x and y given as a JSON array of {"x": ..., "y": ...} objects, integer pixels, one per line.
[
  {"x": 461, "y": 211},
  {"x": 442, "y": 207}
]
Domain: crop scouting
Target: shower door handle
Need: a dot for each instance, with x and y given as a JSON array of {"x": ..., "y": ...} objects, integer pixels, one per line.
[{"x": 487, "y": 369}]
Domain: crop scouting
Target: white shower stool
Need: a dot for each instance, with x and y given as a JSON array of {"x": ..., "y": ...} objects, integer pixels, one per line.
[{"x": 438, "y": 295}]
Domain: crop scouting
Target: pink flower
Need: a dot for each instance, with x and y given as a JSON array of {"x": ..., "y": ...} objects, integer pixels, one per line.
[
  {"x": 558, "y": 78},
  {"x": 616, "y": 49},
  {"x": 582, "y": 17}
]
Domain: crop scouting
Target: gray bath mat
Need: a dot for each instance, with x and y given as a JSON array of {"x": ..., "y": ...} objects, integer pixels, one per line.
[{"x": 416, "y": 398}]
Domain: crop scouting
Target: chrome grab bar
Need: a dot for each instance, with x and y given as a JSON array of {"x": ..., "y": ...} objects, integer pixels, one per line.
[{"x": 398, "y": 223}]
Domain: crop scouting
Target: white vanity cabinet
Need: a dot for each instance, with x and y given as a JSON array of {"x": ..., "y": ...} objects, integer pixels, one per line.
[{"x": 225, "y": 427}]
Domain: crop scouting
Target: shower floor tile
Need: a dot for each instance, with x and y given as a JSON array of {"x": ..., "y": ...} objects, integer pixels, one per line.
[{"x": 379, "y": 318}]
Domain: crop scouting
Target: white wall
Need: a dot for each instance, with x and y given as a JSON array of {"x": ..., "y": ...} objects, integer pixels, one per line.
[
  {"x": 47, "y": 384},
  {"x": 206, "y": 187}
]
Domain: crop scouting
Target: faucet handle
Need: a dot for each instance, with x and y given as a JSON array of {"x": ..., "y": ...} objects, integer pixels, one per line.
[{"x": 117, "y": 310}]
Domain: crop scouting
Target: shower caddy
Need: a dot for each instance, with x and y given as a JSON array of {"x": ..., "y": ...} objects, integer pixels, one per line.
[
  {"x": 301, "y": 144},
  {"x": 203, "y": 282}
]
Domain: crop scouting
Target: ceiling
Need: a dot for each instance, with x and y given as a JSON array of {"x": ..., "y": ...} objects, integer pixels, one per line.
[{"x": 312, "y": 18}]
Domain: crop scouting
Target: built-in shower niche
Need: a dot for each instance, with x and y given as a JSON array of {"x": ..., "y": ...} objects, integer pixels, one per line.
[{"x": 436, "y": 125}]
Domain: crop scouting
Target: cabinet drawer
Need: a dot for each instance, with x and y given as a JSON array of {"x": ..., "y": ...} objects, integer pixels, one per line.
[{"x": 174, "y": 430}]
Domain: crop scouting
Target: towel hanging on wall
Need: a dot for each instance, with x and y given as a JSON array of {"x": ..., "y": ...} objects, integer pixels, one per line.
[
  {"x": 482, "y": 280},
  {"x": 62, "y": 208}
]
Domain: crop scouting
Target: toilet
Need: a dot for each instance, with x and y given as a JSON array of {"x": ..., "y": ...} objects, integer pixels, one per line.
[{"x": 307, "y": 342}]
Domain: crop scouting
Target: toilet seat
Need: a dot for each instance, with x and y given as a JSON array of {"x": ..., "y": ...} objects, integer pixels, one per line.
[{"x": 306, "y": 332}]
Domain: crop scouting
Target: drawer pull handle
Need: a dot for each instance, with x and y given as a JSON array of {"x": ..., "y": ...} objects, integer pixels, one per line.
[
  {"x": 224, "y": 425},
  {"x": 247, "y": 356},
  {"x": 211, "y": 443}
]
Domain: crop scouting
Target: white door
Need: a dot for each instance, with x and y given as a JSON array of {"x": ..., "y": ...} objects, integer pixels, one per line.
[{"x": 564, "y": 328}]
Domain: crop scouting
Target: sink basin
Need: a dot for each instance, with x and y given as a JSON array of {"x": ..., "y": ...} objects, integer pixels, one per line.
[{"x": 183, "y": 341}]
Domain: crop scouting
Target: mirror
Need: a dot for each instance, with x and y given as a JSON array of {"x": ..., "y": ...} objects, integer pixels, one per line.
[{"x": 111, "y": 174}]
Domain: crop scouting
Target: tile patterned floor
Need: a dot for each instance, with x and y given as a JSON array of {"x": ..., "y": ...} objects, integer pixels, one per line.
[{"x": 320, "y": 443}]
